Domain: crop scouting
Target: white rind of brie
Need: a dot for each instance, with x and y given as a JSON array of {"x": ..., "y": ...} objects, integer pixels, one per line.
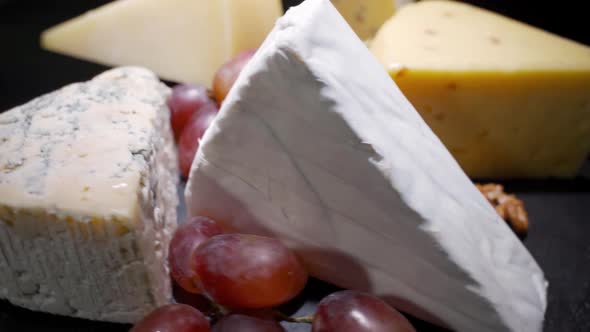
[
  {"x": 317, "y": 146},
  {"x": 88, "y": 198}
]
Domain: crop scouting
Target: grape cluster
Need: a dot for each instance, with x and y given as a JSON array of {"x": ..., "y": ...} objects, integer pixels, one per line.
[{"x": 246, "y": 274}]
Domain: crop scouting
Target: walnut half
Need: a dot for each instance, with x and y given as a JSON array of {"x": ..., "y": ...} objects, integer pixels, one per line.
[{"x": 508, "y": 206}]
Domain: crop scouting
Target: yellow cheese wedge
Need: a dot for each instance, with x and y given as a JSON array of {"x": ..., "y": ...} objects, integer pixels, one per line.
[
  {"x": 181, "y": 40},
  {"x": 507, "y": 99},
  {"x": 365, "y": 16}
]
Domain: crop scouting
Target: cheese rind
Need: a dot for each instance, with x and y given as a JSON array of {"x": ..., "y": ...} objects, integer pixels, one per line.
[
  {"x": 181, "y": 40},
  {"x": 507, "y": 99},
  {"x": 316, "y": 145},
  {"x": 88, "y": 198}
]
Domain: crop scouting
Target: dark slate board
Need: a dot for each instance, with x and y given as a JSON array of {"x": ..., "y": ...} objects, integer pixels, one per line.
[{"x": 559, "y": 209}]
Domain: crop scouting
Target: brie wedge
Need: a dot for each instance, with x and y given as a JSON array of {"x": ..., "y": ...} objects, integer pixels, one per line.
[
  {"x": 88, "y": 198},
  {"x": 317, "y": 146}
]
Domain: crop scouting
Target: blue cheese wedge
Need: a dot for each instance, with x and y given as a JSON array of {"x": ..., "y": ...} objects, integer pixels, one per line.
[
  {"x": 88, "y": 198},
  {"x": 316, "y": 145}
]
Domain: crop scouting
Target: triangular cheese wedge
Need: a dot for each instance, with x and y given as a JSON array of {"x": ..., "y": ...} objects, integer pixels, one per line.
[
  {"x": 88, "y": 178},
  {"x": 181, "y": 40},
  {"x": 316, "y": 145},
  {"x": 507, "y": 99}
]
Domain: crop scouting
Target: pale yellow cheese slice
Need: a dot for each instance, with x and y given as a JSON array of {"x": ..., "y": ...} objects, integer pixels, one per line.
[
  {"x": 181, "y": 40},
  {"x": 507, "y": 99}
]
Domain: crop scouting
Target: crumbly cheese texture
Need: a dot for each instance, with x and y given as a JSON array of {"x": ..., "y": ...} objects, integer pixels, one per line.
[
  {"x": 317, "y": 146},
  {"x": 181, "y": 40},
  {"x": 88, "y": 198},
  {"x": 508, "y": 100}
]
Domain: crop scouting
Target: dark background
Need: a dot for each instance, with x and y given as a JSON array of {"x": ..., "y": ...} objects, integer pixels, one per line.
[{"x": 559, "y": 209}]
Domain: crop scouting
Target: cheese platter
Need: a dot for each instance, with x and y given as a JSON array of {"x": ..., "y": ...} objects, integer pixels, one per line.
[{"x": 355, "y": 151}]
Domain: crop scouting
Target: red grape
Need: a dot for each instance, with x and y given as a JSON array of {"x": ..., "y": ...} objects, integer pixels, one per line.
[
  {"x": 228, "y": 73},
  {"x": 350, "y": 311},
  {"x": 242, "y": 323},
  {"x": 173, "y": 318},
  {"x": 249, "y": 271},
  {"x": 188, "y": 236},
  {"x": 185, "y": 100},
  {"x": 188, "y": 144}
]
